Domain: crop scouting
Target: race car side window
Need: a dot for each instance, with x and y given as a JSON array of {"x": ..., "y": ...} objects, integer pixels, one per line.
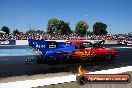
[
  {"x": 87, "y": 45},
  {"x": 77, "y": 46},
  {"x": 81, "y": 46}
]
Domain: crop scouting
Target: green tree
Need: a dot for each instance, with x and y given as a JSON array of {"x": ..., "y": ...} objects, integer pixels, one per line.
[
  {"x": 64, "y": 28},
  {"x": 81, "y": 27},
  {"x": 89, "y": 32},
  {"x": 73, "y": 31},
  {"x": 99, "y": 28},
  {"x": 56, "y": 26},
  {"x": 52, "y": 26},
  {"x": 5, "y": 29},
  {"x": 40, "y": 31},
  {"x": 16, "y": 31}
]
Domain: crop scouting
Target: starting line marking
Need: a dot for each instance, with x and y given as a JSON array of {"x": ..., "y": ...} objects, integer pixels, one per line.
[{"x": 56, "y": 80}]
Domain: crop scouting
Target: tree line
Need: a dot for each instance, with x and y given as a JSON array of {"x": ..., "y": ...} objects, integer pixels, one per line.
[{"x": 55, "y": 26}]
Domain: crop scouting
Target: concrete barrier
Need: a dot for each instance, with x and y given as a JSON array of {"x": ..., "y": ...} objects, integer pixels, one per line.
[
  {"x": 25, "y": 42},
  {"x": 21, "y": 42},
  {"x": 111, "y": 42}
]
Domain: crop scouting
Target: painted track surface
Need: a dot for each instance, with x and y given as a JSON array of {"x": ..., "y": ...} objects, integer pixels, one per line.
[{"x": 15, "y": 65}]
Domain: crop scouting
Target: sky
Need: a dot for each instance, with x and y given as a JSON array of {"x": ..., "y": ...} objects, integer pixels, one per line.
[{"x": 25, "y": 14}]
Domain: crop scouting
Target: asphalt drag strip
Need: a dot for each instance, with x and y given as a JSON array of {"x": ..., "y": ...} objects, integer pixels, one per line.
[{"x": 14, "y": 66}]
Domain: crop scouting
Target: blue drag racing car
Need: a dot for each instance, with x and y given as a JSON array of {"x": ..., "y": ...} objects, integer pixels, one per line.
[{"x": 52, "y": 52}]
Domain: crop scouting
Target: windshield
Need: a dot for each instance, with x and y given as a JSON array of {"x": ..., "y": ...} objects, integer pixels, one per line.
[{"x": 87, "y": 45}]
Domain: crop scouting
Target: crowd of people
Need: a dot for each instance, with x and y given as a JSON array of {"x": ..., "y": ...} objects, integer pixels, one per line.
[{"x": 46, "y": 36}]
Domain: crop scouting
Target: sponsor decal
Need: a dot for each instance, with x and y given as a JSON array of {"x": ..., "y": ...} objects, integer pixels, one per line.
[
  {"x": 84, "y": 78},
  {"x": 89, "y": 55}
]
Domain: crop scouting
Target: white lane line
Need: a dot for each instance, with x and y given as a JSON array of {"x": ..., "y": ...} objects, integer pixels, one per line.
[{"x": 56, "y": 80}]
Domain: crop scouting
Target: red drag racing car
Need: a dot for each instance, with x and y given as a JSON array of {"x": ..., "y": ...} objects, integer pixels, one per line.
[{"x": 85, "y": 50}]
